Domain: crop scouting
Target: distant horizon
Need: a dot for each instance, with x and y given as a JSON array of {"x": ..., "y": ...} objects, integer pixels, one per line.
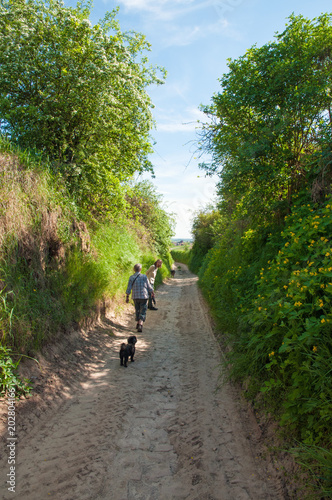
[{"x": 181, "y": 239}]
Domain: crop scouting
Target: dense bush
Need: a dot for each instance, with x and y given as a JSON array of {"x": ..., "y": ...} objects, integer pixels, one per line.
[
  {"x": 181, "y": 255},
  {"x": 55, "y": 269},
  {"x": 77, "y": 93},
  {"x": 277, "y": 311},
  {"x": 268, "y": 273}
]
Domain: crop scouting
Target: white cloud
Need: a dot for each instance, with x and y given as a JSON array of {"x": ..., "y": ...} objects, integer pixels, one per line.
[
  {"x": 170, "y": 121},
  {"x": 185, "y": 35},
  {"x": 168, "y": 10}
]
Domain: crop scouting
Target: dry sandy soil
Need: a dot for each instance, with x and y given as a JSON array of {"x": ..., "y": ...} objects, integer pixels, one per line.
[{"x": 164, "y": 428}]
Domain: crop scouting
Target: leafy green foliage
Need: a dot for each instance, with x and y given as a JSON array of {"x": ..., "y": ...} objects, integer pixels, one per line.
[
  {"x": 181, "y": 255},
  {"x": 54, "y": 270},
  {"x": 266, "y": 123},
  {"x": 205, "y": 227},
  {"x": 318, "y": 461},
  {"x": 8, "y": 377},
  {"x": 147, "y": 208},
  {"x": 77, "y": 93},
  {"x": 268, "y": 275}
]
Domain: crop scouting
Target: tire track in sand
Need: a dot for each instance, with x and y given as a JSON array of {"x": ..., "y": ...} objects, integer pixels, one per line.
[{"x": 162, "y": 429}]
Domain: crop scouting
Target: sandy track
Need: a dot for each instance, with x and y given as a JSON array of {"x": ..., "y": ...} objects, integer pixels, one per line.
[{"x": 164, "y": 428}]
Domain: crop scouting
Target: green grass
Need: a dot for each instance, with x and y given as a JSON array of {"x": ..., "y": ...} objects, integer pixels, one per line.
[
  {"x": 182, "y": 255},
  {"x": 55, "y": 269}
]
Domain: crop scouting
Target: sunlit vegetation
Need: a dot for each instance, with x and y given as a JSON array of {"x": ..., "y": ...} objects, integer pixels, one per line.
[
  {"x": 75, "y": 120},
  {"x": 264, "y": 253}
]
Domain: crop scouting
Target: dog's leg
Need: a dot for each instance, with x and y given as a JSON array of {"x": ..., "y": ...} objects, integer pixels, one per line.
[
  {"x": 132, "y": 354},
  {"x": 122, "y": 353}
]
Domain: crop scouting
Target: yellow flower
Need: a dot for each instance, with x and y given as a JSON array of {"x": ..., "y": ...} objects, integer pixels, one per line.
[
  {"x": 271, "y": 354},
  {"x": 322, "y": 320},
  {"x": 314, "y": 348}
]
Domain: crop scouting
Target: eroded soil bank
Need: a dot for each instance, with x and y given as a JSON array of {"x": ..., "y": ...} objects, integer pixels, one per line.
[{"x": 165, "y": 428}]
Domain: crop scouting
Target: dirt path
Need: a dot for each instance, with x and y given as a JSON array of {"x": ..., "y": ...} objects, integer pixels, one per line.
[{"x": 162, "y": 429}]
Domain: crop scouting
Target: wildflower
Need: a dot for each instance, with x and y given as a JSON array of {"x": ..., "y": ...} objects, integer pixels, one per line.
[
  {"x": 271, "y": 354},
  {"x": 314, "y": 348},
  {"x": 322, "y": 320}
]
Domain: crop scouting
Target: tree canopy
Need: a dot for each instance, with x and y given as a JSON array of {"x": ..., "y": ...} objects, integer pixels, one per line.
[
  {"x": 148, "y": 207},
  {"x": 78, "y": 93},
  {"x": 271, "y": 116}
]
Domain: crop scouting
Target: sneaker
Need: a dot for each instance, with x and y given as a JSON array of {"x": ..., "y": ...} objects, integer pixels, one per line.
[
  {"x": 139, "y": 328},
  {"x": 154, "y": 309}
]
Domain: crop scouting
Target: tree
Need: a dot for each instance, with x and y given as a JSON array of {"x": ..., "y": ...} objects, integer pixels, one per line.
[
  {"x": 77, "y": 93},
  {"x": 205, "y": 227},
  {"x": 266, "y": 122}
]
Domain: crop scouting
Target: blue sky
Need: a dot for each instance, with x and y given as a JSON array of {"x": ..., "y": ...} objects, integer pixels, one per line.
[{"x": 193, "y": 39}]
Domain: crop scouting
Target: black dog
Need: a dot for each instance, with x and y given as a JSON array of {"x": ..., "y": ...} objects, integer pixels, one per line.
[{"x": 127, "y": 350}]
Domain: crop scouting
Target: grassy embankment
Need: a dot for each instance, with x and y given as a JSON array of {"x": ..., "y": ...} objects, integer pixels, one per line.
[
  {"x": 55, "y": 270},
  {"x": 181, "y": 254}
]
